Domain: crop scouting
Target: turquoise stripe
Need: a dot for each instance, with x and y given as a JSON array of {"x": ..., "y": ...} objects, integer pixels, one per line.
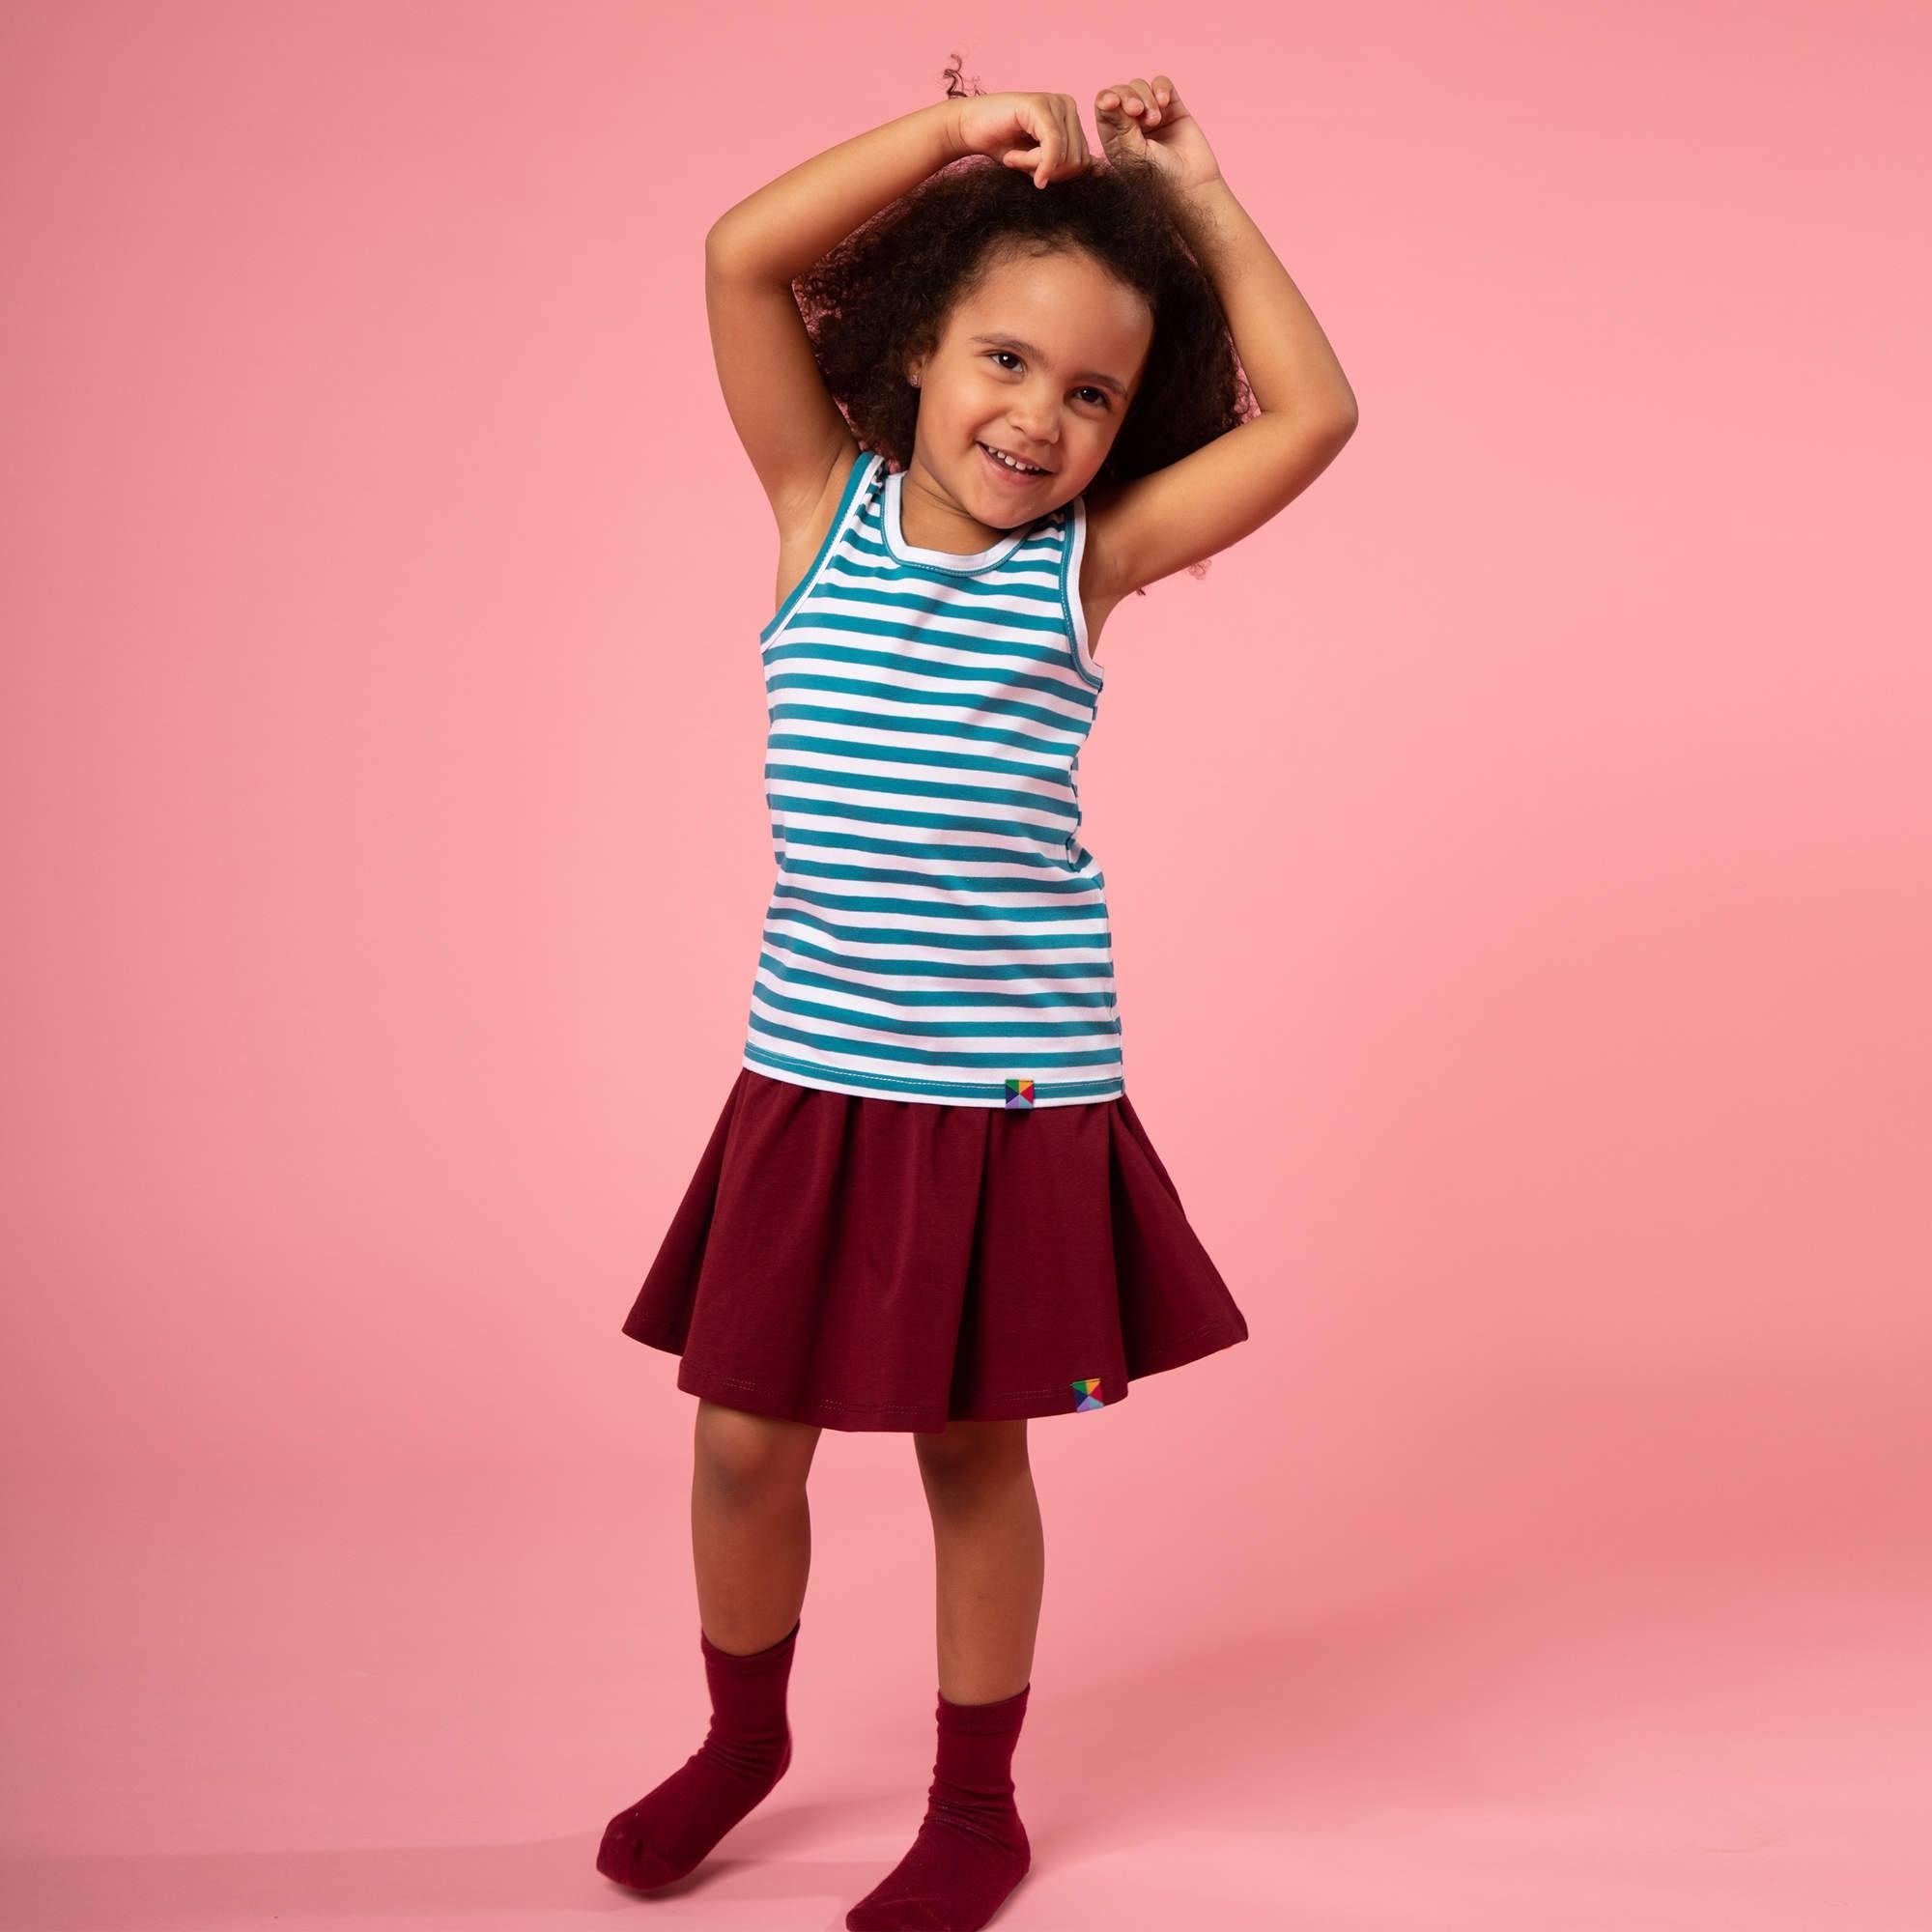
[
  {"x": 806, "y": 1009},
  {"x": 834, "y": 807},
  {"x": 941, "y": 713},
  {"x": 833, "y": 839},
  {"x": 907, "y": 725},
  {"x": 1035, "y": 972},
  {"x": 930, "y": 996},
  {"x": 937, "y": 942},
  {"x": 898, "y": 694},
  {"x": 818, "y": 649},
  {"x": 864, "y": 572},
  {"x": 1056, "y": 915},
  {"x": 974, "y": 625},
  {"x": 908, "y": 754},
  {"x": 958, "y": 891},
  {"x": 1011, "y": 797}
]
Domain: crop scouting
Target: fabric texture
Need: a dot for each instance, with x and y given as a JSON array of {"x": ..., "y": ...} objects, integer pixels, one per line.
[
  {"x": 936, "y": 930},
  {"x": 872, "y": 1264},
  {"x": 970, "y": 1849},
  {"x": 673, "y": 1827}
]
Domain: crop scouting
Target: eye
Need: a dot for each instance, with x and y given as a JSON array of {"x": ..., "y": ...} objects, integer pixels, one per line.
[{"x": 1085, "y": 388}]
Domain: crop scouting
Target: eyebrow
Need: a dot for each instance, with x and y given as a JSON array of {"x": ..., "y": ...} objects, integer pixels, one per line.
[{"x": 1114, "y": 383}]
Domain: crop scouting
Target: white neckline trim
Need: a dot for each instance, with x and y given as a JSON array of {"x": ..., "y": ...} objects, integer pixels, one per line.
[{"x": 939, "y": 559}]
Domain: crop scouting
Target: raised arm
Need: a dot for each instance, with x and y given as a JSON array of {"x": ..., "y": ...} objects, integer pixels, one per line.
[
  {"x": 1211, "y": 499},
  {"x": 790, "y": 427}
]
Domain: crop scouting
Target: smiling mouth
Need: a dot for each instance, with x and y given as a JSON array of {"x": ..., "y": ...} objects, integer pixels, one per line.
[{"x": 1018, "y": 464}]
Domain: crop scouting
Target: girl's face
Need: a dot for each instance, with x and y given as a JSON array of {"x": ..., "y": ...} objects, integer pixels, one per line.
[{"x": 1041, "y": 362}]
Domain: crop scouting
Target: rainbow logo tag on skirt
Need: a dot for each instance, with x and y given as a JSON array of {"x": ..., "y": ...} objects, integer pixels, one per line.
[
  {"x": 1089, "y": 1392},
  {"x": 1020, "y": 1090}
]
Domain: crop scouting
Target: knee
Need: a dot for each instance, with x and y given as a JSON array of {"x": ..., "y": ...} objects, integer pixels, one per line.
[
  {"x": 970, "y": 1455},
  {"x": 751, "y": 1460}
]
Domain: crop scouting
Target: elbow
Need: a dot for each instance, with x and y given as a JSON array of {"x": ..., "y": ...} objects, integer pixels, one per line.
[
  {"x": 1331, "y": 422},
  {"x": 1342, "y": 426},
  {"x": 723, "y": 240}
]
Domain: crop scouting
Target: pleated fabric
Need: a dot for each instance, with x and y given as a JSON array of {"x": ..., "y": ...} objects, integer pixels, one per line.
[{"x": 865, "y": 1263}]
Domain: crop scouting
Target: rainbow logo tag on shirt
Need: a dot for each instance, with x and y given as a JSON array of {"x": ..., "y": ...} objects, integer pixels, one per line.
[
  {"x": 1020, "y": 1090},
  {"x": 1089, "y": 1392}
]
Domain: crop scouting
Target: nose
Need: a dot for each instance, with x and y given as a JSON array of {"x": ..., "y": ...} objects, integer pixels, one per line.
[{"x": 1036, "y": 423}]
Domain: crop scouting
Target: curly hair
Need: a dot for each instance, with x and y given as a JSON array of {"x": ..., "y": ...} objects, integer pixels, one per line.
[{"x": 880, "y": 298}]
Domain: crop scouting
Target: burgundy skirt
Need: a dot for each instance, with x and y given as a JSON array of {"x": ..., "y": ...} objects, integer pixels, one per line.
[{"x": 865, "y": 1263}]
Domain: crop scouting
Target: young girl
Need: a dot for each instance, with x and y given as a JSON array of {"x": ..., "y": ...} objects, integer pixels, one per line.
[{"x": 929, "y": 1205}]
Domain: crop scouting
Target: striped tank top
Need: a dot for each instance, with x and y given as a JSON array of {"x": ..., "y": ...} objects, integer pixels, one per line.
[{"x": 937, "y": 931}]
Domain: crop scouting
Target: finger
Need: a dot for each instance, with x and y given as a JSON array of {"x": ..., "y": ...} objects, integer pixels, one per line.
[
  {"x": 1027, "y": 120},
  {"x": 1151, "y": 117},
  {"x": 1169, "y": 103},
  {"x": 1049, "y": 157},
  {"x": 1075, "y": 135},
  {"x": 1123, "y": 139},
  {"x": 1068, "y": 116}
]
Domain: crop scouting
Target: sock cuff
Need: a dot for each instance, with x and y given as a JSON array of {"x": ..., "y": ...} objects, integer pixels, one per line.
[
  {"x": 749, "y": 1660},
  {"x": 985, "y": 1719}
]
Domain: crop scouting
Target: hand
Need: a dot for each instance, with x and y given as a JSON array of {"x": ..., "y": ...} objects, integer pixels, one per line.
[
  {"x": 1143, "y": 121},
  {"x": 1040, "y": 133}
]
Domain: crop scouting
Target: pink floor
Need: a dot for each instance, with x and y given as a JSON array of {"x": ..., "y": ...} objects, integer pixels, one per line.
[{"x": 416, "y": 1709}]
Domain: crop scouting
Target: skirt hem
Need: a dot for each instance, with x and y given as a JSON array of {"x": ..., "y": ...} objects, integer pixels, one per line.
[{"x": 828, "y": 1412}]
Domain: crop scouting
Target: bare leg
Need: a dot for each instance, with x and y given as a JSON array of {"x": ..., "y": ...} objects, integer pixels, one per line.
[
  {"x": 990, "y": 1563},
  {"x": 750, "y": 1524},
  {"x": 751, "y": 1541},
  {"x": 989, "y": 1556}
]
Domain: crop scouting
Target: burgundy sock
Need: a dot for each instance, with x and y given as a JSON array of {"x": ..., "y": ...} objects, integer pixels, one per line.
[
  {"x": 972, "y": 1849},
  {"x": 670, "y": 1831}
]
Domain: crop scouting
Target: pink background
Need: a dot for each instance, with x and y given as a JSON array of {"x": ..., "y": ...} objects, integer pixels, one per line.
[{"x": 386, "y": 852}]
